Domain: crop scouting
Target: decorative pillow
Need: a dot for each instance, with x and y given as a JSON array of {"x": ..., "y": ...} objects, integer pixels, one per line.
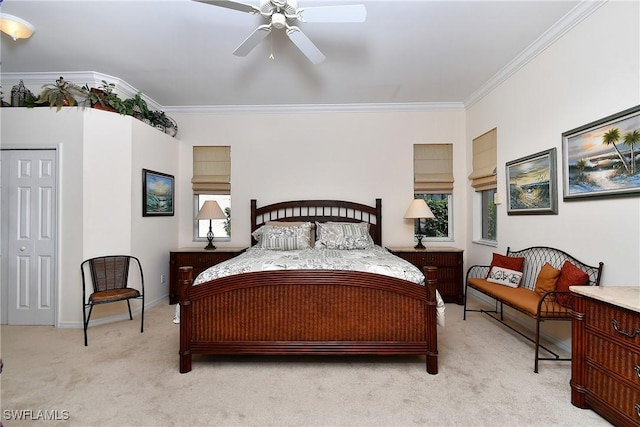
[
  {"x": 509, "y": 262},
  {"x": 505, "y": 277},
  {"x": 570, "y": 275},
  {"x": 344, "y": 235},
  {"x": 547, "y": 279},
  {"x": 283, "y": 238},
  {"x": 312, "y": 234}
]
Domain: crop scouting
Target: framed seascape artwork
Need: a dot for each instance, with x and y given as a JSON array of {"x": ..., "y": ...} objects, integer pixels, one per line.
[
  {"x": 600, "y": 159},
  {"x": 157, "y": 193},
  {"x": 531, "y": 184}
]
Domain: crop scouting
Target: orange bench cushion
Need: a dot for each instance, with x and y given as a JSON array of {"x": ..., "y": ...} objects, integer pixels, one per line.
[{"x": 524, "y": 299}]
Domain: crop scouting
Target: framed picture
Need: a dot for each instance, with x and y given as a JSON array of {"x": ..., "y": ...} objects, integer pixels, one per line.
[
  {"x": 157, "y": 193},
  {"x": 531, "y": 185},
  {"x": 600, "y": 159}
]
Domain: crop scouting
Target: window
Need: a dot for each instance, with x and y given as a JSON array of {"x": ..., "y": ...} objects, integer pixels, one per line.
[
  {"x": 437, "y": 228},
  {"x": 433, "y": 182},
  {"x": 489, "y": 225},
  {"x": 484, "y": 181},
  {"x": 212, "y": 181}
]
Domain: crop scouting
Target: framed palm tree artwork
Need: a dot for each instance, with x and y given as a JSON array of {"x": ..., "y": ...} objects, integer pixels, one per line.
[{"x": 602, "y": 158}]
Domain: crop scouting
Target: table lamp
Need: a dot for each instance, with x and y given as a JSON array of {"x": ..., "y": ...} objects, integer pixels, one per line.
[
  {"x": 418, "y": 209},
  {"x": 210, "y": 210}
]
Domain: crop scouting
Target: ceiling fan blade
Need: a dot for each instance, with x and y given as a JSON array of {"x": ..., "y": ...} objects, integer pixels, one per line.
[
  {"x": 253, "y": 40},
  {"x": 242, "y": 7},
  {"x": 305, "y": 45},
  {"x": 333, "y": 14}
]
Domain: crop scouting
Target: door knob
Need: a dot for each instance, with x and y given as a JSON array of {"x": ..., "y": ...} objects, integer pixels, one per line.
[{"x": 23, "y": 248}]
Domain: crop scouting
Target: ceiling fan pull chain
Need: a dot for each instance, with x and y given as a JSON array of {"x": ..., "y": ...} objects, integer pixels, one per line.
[{"x": 271, "y": 43}]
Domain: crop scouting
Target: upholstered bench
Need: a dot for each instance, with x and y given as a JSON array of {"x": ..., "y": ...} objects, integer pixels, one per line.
[{"x": 534, "y": 281}]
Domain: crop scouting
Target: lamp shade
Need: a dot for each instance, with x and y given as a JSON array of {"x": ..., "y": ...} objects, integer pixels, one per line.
[
  {"x": 418, "y": 209},
  {"x": 16, "y": 28},
  {"x": 211, "y": 210}
]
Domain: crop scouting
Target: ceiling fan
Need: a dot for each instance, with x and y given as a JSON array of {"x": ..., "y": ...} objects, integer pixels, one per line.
[{"x": 280, "y": 14}]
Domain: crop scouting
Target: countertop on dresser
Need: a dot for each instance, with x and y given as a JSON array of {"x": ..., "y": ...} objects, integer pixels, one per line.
[{"x": 622, "y": 296}]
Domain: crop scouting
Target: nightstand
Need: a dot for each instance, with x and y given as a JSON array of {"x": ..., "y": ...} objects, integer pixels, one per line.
[
  {"x": 449, "y": 263},
  {"x": 198, "y": 258}
]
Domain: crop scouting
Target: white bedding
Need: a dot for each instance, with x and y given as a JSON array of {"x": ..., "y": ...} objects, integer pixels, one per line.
[{"x": 375, "y": 260}]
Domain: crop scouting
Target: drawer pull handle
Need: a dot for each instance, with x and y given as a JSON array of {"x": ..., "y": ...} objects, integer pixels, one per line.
[
  {"x": 637, "y": 368},
  {"x": 614, "y": 322},
  {"x": 637, "y": 405}
]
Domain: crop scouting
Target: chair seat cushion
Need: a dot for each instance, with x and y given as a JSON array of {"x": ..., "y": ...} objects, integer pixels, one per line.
[
  {"x": 113, "y": 295},
  {"x": 521, "y": 298}
]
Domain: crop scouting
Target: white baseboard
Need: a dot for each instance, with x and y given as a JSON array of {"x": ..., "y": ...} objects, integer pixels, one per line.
[{"x": 116, "y": 318}]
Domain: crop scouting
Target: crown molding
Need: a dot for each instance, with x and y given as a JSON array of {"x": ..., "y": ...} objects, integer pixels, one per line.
[
  {"x": 321, "y": 108},
  {"x": 566, "y": 23},
  {"x": 34, "y": 81}
]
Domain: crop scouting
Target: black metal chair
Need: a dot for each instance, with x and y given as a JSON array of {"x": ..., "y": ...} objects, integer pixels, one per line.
[{"x": 110, "y": 279}]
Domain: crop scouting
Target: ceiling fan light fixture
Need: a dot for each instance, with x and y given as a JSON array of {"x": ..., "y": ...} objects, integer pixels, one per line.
[
  {"x": 14, "y": 27},
  {"x": 279, "y": 21}
]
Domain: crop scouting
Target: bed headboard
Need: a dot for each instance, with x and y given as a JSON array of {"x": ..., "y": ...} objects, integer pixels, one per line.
[{"x": 321, "y": 211}]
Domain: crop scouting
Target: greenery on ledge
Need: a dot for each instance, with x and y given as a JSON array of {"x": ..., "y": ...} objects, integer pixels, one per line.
[{"x": 64, "y": 93}]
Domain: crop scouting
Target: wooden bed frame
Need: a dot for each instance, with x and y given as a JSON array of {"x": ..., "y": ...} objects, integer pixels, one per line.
[{"x": 318, "y": 312}]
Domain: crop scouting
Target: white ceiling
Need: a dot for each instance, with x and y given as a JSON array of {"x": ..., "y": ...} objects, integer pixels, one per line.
[{"x": 179, "y": 52}]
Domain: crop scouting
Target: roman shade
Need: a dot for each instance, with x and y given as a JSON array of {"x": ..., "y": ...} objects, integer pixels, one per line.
[
  {"x": 211, "y": 170},
  {"x": 433, "y": 168},
  {"x": 485, "y": 162}
]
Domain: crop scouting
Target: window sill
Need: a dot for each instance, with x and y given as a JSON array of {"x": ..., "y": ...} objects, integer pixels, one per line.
[{"x": 491, "y": 243}]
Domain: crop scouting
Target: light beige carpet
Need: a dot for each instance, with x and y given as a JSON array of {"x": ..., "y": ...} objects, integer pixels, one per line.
[{"x": 125, "y": 378}]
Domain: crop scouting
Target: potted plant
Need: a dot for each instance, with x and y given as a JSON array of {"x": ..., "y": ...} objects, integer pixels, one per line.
[
  {"x": 60, "y": 94},
  {"x": 104, "y": 98},
  {"x": 137, "y": 107},
  {"x": 161, "y": 121}
]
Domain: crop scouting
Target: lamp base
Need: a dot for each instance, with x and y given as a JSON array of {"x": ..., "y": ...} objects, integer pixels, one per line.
[
  {"x": 210, "y": 246},
  {"x": 419, "y": 245}
]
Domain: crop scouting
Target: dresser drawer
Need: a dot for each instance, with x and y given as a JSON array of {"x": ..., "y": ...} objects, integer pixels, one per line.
[
  {"x": 616, "y": 322},
  {"x": 618, "y": 395},
  {"x": 613, "y": 357}
]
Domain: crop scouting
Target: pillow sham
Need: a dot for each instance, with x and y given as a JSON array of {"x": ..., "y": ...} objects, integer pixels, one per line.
[
  {"x": 570, "y": 275},
  {"x": 281, "y": 238},
  {"x": 344, "y": 235},
  {"x": 508, "y": 262},
  {"x": 312, "y": 233},
  {"x": 547, "y": 279},
  {"x": 504, "y": 276}
]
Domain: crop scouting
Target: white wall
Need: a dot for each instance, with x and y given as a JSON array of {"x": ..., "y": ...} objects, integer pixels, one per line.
[
  {"x": 101, "y": 156},
  {"x": 591, "y": 73},
  {"x": 152, "y": 238},
  {"x": 356, "y": 156},
  {"x": 43, "y": 128}
]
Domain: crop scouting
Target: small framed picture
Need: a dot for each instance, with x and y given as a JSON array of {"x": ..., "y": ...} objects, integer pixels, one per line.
[
  {"x": 531, "y": 184},
  {"x": 602, "y": 158},
  {"x": 157, "y": 193}
]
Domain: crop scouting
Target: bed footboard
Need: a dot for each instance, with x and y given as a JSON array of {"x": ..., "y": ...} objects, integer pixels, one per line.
[{"x": 308, "y": 312}]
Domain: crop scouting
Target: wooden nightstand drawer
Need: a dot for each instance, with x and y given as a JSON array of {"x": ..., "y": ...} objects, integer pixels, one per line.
[
  {"x": 447, "y": 260},
  {"x": 199, "y": 259}
]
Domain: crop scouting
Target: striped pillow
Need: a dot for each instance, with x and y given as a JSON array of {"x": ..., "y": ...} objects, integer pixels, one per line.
[{"x": 283, "y": 238}]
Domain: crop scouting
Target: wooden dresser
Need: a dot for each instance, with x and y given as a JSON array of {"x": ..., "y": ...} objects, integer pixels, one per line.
[
  {"x": 198, "y": 258},
  {"x": 449, "y": 263},
  {"x": 605, "y": 368}
]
